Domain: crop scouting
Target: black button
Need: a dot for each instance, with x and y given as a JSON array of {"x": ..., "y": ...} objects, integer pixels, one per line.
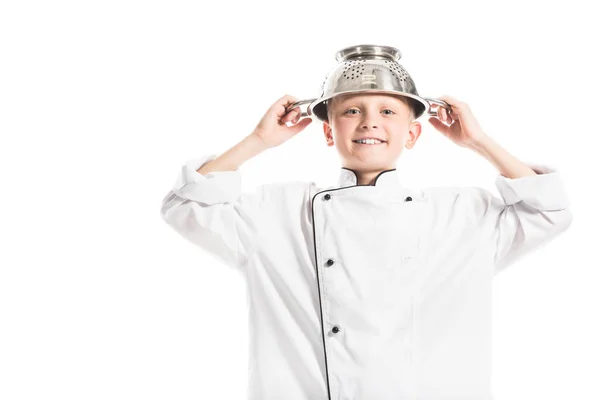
[
  {"x": 408, "y": 199},
  {"x": 335, "y": 329},
  {"x": 330, "y": 262},
  {"x": 327, "y": 196}
]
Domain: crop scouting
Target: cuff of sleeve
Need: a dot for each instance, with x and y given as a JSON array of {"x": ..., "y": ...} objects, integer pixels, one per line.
[
  {"x": 544, "y": 191},
  {"x": 213, "y": 188}
]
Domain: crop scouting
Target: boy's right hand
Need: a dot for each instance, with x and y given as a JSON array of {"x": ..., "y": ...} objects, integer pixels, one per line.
[{"x": 272, "y": 128}]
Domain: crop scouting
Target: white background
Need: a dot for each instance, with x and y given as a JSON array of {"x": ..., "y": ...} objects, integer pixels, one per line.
[{"x": 101, "y": 102}]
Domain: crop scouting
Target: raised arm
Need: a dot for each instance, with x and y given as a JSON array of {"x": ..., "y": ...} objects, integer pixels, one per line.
[{"x": 206, "y": 205}]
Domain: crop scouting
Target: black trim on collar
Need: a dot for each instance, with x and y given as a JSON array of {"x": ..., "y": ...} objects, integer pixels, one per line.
[{"x": 375, "y": 181}]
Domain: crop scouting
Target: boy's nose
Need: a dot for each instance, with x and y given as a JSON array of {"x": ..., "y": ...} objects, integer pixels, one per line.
[
  {"x": 366, "y": 126},
  {"x": 369, "y": 120}
]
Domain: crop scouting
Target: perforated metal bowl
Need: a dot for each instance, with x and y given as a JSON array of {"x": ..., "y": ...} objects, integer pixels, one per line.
[{"x": 368, "y": 69}]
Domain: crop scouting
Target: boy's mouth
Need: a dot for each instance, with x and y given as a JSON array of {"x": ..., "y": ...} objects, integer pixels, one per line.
[{"x": 369, "y": 142}]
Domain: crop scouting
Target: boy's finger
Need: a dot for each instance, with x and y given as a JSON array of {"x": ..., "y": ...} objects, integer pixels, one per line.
[
  {"x": 294, "y": 115},
  {"x": 291, "y": 114},
  {"x": 286, "y": 101},
  {"x": 438, "y": 125},
  {"x": 440, "y": 113},
  {"x": 298, "y": 114},
  {"x": 298, "y": 127}
]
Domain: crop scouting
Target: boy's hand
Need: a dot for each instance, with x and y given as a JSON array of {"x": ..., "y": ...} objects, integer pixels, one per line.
[
  {"x": 272, "y": 128},
  {"x": 463, "y": 129}
]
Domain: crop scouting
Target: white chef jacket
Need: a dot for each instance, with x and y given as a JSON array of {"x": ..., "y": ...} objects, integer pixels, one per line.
[{"x": 367, "y": 292}]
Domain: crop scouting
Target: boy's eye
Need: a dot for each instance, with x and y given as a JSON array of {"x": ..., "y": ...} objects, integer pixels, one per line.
[{"x": 354, "y": 109}]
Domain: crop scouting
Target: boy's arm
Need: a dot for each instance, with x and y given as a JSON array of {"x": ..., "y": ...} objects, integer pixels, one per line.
[
  {"x": 508, "y": 165},
  {"x": 206, "y": 206},
  {"x": 533, "y": 210},
  {"x": 231, "y": 160}
]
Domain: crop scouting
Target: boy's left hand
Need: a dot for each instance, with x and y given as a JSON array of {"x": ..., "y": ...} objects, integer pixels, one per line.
[{"x": 463, "y": 128}]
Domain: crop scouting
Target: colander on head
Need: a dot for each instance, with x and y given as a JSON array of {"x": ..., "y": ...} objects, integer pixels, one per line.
[{"x": 368, "y": 69}]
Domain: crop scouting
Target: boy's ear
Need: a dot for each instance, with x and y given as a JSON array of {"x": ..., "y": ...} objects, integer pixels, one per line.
[
  {"x": 326, "y": 128},
  {"x": 413, "y": 133},
  {"x": 327, "y": 132}
]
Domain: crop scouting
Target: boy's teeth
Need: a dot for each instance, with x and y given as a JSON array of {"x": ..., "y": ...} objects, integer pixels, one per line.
[{"x": 368, "y": 141}]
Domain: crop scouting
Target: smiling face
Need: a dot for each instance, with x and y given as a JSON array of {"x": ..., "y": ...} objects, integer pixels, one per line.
[{"x": 374, "y": 115}]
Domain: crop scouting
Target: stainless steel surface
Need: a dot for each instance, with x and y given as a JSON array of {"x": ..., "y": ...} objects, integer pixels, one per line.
[{"x": 368, "y": 69}]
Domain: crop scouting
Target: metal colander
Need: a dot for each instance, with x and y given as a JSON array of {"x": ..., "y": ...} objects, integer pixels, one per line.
[{"x": 368, "y": 69}]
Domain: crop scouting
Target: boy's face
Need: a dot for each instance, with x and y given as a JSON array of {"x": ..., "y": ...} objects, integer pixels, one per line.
[{"x": 376, "y": 115}]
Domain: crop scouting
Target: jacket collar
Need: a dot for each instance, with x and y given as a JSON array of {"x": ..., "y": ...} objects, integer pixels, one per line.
[{"x": 387, "y": 179}]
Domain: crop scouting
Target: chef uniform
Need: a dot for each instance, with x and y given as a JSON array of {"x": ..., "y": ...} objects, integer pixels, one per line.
[{"x": 367, "y": 292}]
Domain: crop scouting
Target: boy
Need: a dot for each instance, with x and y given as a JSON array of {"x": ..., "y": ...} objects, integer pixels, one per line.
[{"x": 366, "y": 289}]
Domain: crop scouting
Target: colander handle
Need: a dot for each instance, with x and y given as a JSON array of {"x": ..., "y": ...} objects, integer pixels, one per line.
[
  {"x": 439, "y": 102},
  {"x": 298, "y": 104}
]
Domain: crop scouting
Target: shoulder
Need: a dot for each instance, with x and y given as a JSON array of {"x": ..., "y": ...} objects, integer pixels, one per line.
[
  {"x": 284, "y": 191},
  {"x": 468, "y": 202},
  {"x": 458, "y": 198},
  {"x": 284, "y": 187},
  {"x": 444, "y": 193}
]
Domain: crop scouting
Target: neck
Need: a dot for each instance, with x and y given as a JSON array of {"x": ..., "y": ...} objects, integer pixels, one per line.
[{"x": 366, "y": 178}]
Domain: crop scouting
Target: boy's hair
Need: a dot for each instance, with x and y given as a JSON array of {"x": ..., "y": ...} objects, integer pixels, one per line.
[{"x": 412, "y": 104}]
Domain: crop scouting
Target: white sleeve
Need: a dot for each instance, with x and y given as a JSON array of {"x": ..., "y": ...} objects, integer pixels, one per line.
[
  {"x": 531, "y": 212},
  {"x": 210, "y": 211}
]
